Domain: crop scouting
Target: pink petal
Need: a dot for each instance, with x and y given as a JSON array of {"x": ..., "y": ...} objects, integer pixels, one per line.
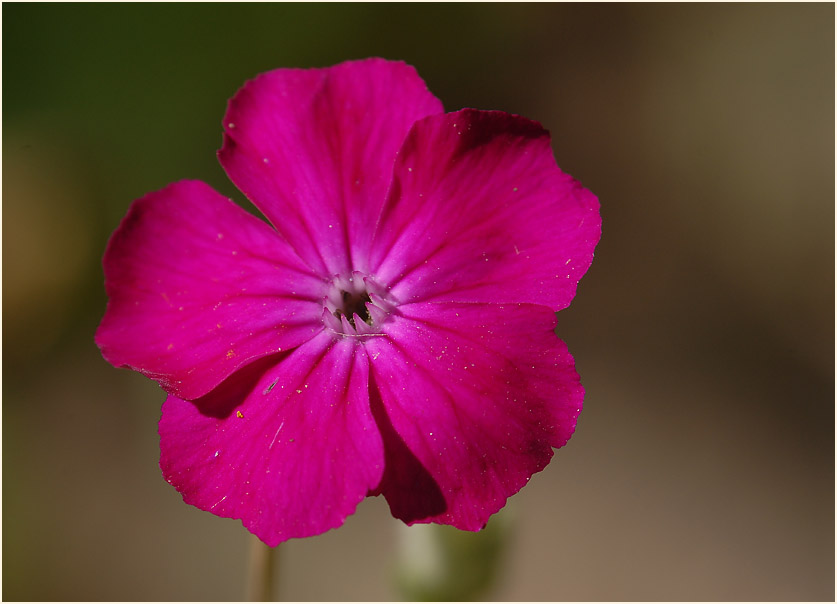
[
  {"x": 479, "y": 212},
  {"x": 294, "y": 458},
  {"x": 478, "y": 394},
  {"x": 313, "y": 149},
  {"x": 198, "y": 288}
]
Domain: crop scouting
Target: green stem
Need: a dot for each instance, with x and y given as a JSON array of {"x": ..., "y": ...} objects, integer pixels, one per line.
[{"x": 261, "y": 568}]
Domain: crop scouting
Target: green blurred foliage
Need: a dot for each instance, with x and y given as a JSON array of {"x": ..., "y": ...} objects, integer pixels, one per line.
[{"x": 439, "y": 563}]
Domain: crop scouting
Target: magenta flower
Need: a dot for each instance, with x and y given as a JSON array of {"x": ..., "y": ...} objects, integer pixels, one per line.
[{"x": 391, "y": 331}]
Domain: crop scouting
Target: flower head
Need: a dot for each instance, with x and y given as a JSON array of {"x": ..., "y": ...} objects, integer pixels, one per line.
[{"x": 390, "y": 331}]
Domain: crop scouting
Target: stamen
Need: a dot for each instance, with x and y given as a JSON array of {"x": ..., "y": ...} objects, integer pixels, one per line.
[
  {"x": 356, "y": 305},
  {"x": 352, "y": 306}
]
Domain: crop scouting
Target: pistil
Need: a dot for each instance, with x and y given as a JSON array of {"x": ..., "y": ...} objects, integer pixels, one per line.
[{"x": 356, "y": 305}]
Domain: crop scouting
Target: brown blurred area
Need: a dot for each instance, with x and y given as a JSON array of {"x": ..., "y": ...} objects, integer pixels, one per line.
[{"x": 703, "y": 463}]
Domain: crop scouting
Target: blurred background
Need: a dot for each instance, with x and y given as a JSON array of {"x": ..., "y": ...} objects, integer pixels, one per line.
[{"x": 703, "y": 463}]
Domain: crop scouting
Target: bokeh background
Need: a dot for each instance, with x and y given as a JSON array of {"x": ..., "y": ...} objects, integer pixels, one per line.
[{"x": 703, "y": 464}]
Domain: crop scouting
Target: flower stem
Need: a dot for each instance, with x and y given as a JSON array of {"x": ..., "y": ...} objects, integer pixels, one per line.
[{"x": 260, "y": 571}]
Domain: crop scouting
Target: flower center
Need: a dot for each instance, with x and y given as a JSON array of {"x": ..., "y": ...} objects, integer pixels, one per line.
[{"x": 356, "y": 305}]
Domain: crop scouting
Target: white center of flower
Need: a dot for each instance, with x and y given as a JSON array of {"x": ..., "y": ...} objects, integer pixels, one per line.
[{"x": 356, "y": 305}]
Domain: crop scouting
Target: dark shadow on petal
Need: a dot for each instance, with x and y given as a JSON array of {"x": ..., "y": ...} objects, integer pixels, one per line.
[
  {"x": 484, "y": 127},
  {"x": 408, "y": 487},
  {"x": 229, "y": 394}
]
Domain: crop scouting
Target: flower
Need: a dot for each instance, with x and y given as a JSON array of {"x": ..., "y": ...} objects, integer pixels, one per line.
[{"x": 391, "y": 331}]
